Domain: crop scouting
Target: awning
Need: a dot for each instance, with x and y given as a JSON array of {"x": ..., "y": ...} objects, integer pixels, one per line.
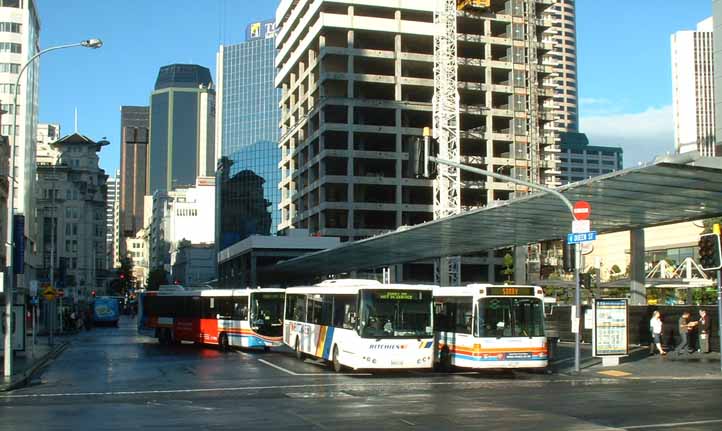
[{"x": 670, "y": 190}]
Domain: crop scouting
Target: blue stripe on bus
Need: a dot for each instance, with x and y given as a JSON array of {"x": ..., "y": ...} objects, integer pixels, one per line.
[
  {"x": 494, "y": 358},
  {"x": 328, "y": 343}
]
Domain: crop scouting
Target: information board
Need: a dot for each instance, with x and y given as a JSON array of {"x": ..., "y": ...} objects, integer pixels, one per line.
[{"x": 611, "y": 321}]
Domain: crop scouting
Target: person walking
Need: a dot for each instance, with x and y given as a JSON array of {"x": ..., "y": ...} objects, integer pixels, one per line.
[
  {"x": 685, "y": 330},
  {"x": 703, "y": 330},
  {"x": 656, "y": 324}
]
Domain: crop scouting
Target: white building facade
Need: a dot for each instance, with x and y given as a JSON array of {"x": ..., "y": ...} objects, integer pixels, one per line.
[
  {"x": 112, "y": 216},
  {"x": 693, "y": 89},
  {"x": 183, "y": 214}
]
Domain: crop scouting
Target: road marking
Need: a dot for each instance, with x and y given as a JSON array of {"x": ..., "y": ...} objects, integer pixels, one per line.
[
  {"x": 287, "y": 371},
  {"x": 614, "y": 373},
  {"x": 303, "y": 386},
  {"x": 673, "y": 424},
  {"x": 409, "y": 423},
  {"x": 278, "y": 367}
]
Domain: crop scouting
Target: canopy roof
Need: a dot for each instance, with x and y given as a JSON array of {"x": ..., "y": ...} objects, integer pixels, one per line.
[{"x": 672, "y": 189}]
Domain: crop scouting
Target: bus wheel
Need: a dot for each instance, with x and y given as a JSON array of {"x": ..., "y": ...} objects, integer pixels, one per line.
[
  {"x": 223, "y": 342},
  {"x": 334, "y": 361},
  {"x": 299, "y": 353}
]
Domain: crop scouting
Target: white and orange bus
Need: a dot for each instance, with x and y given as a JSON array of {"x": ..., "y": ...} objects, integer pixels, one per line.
[
  {"x": 225, "y": 317},
  {"x": 490, "y": 326},
  {"x": 361, "y": 324}
]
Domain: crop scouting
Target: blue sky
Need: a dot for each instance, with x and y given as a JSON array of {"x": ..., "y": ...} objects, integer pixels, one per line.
[{"x": 623, "y": 48}]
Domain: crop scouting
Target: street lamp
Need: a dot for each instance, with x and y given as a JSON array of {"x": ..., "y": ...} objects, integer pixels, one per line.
[{"x": 9, "y": 286}]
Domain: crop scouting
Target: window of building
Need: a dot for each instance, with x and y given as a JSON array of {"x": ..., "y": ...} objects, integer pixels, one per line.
[
  {"x": 9, "y": 27},
  {"x": 9, "y": 68},
  {"x": 14, "y": 48}
]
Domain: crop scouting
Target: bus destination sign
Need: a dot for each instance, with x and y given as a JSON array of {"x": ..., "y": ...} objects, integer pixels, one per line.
[
  {"x": 509, "y": 291},
  {"x": 397, "y": 295}
]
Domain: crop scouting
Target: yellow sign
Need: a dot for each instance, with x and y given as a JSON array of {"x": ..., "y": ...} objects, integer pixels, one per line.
[{"x": 50, "y": 293}]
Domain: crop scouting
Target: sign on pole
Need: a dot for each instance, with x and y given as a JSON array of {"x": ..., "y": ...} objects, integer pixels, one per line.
[
  {"x": 582, "y": 210},
  {"x": 50, "y": 293},
  {"x": 611, "y": 321},
  {"x": 576, "y": 238}
]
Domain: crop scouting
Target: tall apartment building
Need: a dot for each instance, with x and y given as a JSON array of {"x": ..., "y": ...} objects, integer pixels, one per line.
[
  {"x": 580, "y": 161},
  {"x": 247, "y": 135},
  {"x": 19, "y": 41},
  {"x": 47, "y": 134},
  {"x": 563, "y": 57},
  {"x": 134, "y": 125},
  {"x": 182, "y": 127},
  {"x": 71, "y": 205},
  {"x": 112, "y": 236},
  {"x": 357, "y": 85},
  {"x": 693, "y": 89},
  {"x": 717, "y": 75}
]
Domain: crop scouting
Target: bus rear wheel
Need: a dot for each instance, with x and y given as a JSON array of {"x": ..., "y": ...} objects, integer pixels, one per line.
[
  {"x": 223, "y": 342},
  {"x": 335, "y": 363},
  {"x": 299, "y": 353}
]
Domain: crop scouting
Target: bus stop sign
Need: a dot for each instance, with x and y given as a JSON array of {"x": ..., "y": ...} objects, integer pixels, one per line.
[{"x": 582, "y": 210}]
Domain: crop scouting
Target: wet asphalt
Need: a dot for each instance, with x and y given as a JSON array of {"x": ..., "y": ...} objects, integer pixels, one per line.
[{"x": 113, "y": 379}]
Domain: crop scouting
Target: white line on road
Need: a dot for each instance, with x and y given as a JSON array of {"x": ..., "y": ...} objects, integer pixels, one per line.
[
  {"x": 674, "y": 424},
  {"x": 278, "y": 367},
  {"x": 284, "y": 387},
  {"x": 409, "y": 423}
]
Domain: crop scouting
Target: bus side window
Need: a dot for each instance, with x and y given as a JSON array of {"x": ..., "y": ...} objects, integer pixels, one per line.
[
  {"x": 240, "y": 309},
  {"x": 296, "y": 308},
  {"x": 225, "y": 308},
  {"x": 344, "y": 311}
]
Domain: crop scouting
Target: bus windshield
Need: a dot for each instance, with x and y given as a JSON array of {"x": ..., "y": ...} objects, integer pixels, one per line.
[
  {"x": 511, "y": 317},
  {"x": 395, "y": 314},
  {"x": 267, "y": 313}
]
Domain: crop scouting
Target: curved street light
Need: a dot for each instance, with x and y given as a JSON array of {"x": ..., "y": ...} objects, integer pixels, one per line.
[{"x": 10, "y": 284}]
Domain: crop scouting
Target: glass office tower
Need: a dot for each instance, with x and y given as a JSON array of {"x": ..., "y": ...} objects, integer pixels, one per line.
[
  {"x": 182, "y": 135},
  {"x": 247, "y": 174}
]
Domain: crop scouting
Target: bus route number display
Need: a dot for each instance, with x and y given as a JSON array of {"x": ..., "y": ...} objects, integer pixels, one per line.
[
  {"x": 510, "y": 291},
  {"x": 611, "y": 320}
]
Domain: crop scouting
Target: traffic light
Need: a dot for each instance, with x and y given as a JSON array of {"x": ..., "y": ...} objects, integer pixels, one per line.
[
  {"x": 568, "y": 257},
  {"x": 122, "y": 276},
  {"x": 710, "y": 254},
  {"x": 92, "y": 293},
  {"x": 419, "y": 151}
]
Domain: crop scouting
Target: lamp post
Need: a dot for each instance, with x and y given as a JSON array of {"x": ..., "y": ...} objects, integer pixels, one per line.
[{"x": 10, "y": 284}]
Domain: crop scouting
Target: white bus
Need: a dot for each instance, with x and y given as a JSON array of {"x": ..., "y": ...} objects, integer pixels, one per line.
[
  {"x": 238, "y": 317},
  {"x": 488, "y": 326},
  {"x": 361, "y": 324}
]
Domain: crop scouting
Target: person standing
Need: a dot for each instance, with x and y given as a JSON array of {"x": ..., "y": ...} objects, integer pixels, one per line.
[
  {"x": 685, "y": 329},
  {"x": 703, "y": 328},
  {"x": 656, "y": 324}
]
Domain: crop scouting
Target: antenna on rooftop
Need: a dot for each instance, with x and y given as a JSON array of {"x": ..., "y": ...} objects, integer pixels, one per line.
[{"x": 76, "y": 119}]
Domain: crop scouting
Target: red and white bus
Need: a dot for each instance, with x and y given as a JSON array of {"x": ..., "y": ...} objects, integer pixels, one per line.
[{"x": 225, "y": 317}]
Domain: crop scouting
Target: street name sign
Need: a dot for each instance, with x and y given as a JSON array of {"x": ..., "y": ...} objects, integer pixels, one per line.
[{"x": 576, "y": 238}]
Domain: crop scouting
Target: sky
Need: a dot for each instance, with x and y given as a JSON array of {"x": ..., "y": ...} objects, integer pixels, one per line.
[{"x": 625, "y": 83}]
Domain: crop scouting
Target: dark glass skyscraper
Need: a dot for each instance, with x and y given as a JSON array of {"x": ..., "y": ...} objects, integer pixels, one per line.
[
  {"x": 248, "y": 174},
  {"x": 182, "y": 132}
]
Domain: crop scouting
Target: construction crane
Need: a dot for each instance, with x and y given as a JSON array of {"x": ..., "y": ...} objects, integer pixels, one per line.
[{"x": 447, "y": 186}]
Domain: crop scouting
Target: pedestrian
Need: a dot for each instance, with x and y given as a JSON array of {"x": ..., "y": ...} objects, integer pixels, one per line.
[
  {"x": 655, "y": 323},
  {"x": 703, "y": 328},
  {"x": 685, "y": 330}
]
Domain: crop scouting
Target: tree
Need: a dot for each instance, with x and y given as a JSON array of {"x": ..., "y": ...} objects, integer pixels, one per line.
[
  {"x": 709, "y": 223},
  {"x": 125, "y": 275},
  {"x": 156, "y": 277},
  {"x": 508, "y": 267}
]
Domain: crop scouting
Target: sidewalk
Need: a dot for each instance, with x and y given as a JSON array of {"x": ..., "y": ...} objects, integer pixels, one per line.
[{"x": 26, "y": 363}]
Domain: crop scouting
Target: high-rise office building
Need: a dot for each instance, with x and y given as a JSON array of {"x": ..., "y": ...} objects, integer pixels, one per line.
[
  {"x": 112, "y": 232},
  {"x": 693, "y": 89},
  {"x": 182, "y": 127},
  {"x": 247, "y": 135},
  {"x": 580, "y": 161},
  {"x": 717, "y": 79},
  {"x": 19, "y": 41},
  {"x": 47, "y": 134},
  {"x": 134, "y": 124}
]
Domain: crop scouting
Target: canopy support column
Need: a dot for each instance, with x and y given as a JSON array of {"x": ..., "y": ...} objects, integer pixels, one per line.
[{"x": 637, "y": 291}]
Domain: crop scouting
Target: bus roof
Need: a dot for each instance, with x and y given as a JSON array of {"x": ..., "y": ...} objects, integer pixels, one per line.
[
  {"x": 350, "y": 287},
  {"x": 213, "y": 292}
]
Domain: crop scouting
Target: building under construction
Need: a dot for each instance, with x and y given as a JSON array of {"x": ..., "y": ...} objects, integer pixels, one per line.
[{"x": 357, "y": 80}]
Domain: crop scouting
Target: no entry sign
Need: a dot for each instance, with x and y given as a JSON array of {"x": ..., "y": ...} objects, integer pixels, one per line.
[{"x": 582, "y": 210}]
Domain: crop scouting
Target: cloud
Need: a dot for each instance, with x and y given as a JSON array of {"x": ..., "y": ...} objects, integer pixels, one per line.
[{"x": 642, "y": 135}]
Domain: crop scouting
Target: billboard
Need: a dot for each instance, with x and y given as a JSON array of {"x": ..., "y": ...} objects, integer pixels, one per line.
[{"x": 261, "y": 30}]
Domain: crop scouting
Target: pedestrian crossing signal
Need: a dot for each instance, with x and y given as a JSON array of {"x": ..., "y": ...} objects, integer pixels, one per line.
[{"x": 710, "y": 254}]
